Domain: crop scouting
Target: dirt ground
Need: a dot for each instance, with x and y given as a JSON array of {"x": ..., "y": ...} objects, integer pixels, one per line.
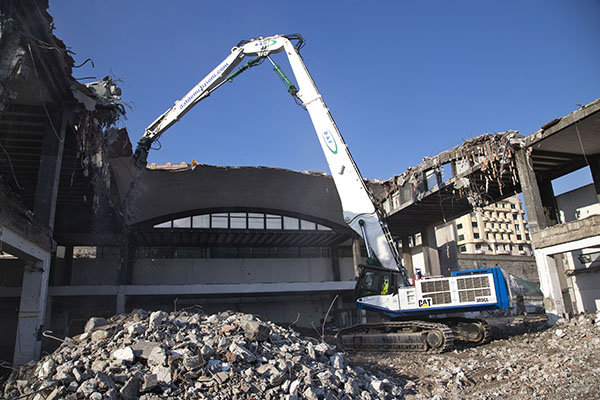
[{"x": 526, "y": 359}]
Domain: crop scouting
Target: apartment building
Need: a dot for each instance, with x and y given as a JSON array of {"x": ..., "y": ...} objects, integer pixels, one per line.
[{"x": 498, "y": 229}]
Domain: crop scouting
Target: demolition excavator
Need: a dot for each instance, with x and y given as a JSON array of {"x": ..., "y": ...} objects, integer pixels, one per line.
[{"x": 418, "y": 312}]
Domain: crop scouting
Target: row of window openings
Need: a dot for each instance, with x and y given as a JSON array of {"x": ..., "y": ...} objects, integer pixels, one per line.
[
  {"x": 489, "y": 236},
  {"x": 242, "y": 221},
  {"x": 463, "y": 249},
  {"x": 491, "y": 226}
]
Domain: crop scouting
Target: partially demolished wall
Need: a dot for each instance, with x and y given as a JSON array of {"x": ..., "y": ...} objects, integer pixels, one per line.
[{"x": 471, "y": 169}]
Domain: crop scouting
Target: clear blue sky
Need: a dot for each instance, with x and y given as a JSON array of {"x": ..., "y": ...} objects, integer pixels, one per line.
[{"x": 403, "y": 80}]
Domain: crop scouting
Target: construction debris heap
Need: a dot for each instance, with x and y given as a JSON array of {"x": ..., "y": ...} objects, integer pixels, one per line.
[{"x": 189, "y": 355}]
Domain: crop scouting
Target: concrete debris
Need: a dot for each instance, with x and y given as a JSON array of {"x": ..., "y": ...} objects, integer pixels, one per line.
[
  {"x": 193, "y": 356},
  {"x": 491, "y": 154},
  {"x": 562, "y": 362}
]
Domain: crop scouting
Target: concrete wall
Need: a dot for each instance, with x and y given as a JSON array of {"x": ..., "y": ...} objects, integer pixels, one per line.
[
  {"x": 239, "y": 270},
  {"x": 90, "y": 271},
  {"x": 181, "y": 271},
  {"x": 584, "y": 284},
  {"x": 287, "y": 192},
  {"x": 578, "y": 204},
  {"x": 588, "y": 292}
]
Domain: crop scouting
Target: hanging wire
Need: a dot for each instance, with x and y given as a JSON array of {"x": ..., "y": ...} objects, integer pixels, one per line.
[
  {"x": 12, "y": 169},
  {"x": 581, "y": 144},
  {"x": 44, "y": 45},
  {"x": 85, "y": 62}
]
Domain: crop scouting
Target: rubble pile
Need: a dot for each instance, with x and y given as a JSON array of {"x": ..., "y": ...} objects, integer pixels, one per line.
[
  {"x": 184, "y": 355},
  {"x": 562, "y": 362}
]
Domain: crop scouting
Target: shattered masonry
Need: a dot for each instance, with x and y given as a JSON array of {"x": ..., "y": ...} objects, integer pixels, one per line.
[{"x": 488, "y": 158}]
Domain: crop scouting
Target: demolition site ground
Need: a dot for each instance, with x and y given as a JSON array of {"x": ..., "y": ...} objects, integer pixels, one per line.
[{"x": 190, "y": 355}]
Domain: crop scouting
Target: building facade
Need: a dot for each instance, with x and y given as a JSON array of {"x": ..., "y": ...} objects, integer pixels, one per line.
[{"x": 498, "y": 229}]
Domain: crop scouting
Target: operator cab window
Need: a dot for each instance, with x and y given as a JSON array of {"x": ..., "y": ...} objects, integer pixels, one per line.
[{"x": 374, "y": 283}]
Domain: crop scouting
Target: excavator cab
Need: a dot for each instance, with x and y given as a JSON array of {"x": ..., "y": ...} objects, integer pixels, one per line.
[{"x": 374, "y": 281}]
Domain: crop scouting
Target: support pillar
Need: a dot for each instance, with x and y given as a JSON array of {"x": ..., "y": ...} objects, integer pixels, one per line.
[
  {"x": 120, "y": 309},
  {"x": 32, "y": 311},
  {"x": 430, "y": 252},
  {"x": 595, "y": 170},
  {"x": 356, "y": 256},
  {"x": 407, "y": 257},
  {"x": 550, "y": 284},
  {"x": 68, "y": 268},
  {"x": 127, "y": 260},
  {"x": 537, "y": 215},
  {"x": 46, "y": 191},
  {"x": 335, "y": 263},
  {"x": 531, "y": 192},
  {"x": 548, "y": 202}
]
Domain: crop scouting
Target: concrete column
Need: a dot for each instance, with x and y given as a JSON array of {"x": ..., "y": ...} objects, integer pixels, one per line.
[
  {"x": 32, "y": 310},
  {"x": 550, "y": 284},
  {"x": 356, "y": 256},
  {"x": 127, "y": 260},
  {"x": 46, "y": 190},
  {"x": 68, "y": 269},
  {"x": 430, "y": 252},
  {"x": 531, "y": 192},
  {"x": 120, "y": 309},
  {"x": 335, "y": 263},
  {"x": 407, "y": 257},
  {"x": 548, "y": 202},
  {"x": 595, "y": 170},
  {"x": 537, "y": 215}
]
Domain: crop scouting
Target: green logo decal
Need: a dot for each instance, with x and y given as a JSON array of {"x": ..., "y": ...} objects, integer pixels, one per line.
[{"x": 330, "y": 142}]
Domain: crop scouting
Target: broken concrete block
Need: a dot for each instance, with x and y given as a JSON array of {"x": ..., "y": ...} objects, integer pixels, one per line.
[
  {"x": 150, "y": 382},
  {"x": 157, "y": 318},
  {"x": 130, "y": 390},
  {"x": 99, "y": 335},
  {"x": 163, "y": 374},
  {"x": 87, "y": 387},
  {"x": 135, "y": 329},
  {"x": 158, "y": 356},
  {"x": 46, "y": 369},
  {"x": 337, "y": 360},
  {"x": 125, "y": 354},
  {"x": 143, "y": 348},
  {"x": 94, "y": 323},
  {"x": 78, "y": 375},
  {"x": 255, "y": 330},
  {"x": 221, "y": 377},
  {"x": 244, "y": 353}
]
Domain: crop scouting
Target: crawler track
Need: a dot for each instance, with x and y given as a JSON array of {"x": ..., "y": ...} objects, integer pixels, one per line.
[
  {"x": 397, "y": 336},
  {"x": 468, "y": 330}
]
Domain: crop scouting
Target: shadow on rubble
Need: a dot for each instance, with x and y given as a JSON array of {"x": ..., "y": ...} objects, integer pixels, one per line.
[
  {"x": 507, "y": 327},
  {"x": 382, "y": 365}
]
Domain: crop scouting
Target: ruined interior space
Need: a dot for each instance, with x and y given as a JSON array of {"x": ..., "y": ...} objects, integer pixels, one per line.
[{"x": 115, "y": 283}]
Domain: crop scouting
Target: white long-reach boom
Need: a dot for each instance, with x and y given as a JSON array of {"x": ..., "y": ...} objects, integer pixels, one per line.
[
  {"x": 380, "y": 288},
  {"x": 358, "y": 207}
]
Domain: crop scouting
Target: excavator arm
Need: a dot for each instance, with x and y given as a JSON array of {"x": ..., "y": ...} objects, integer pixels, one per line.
[{"x": 358, "y": 206}]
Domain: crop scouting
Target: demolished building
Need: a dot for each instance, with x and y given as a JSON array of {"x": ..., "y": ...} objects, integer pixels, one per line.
[{"x": 84, "y": 233}]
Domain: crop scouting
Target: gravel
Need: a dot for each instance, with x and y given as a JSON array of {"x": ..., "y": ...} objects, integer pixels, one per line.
[{"x": 561, "y": 362}]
